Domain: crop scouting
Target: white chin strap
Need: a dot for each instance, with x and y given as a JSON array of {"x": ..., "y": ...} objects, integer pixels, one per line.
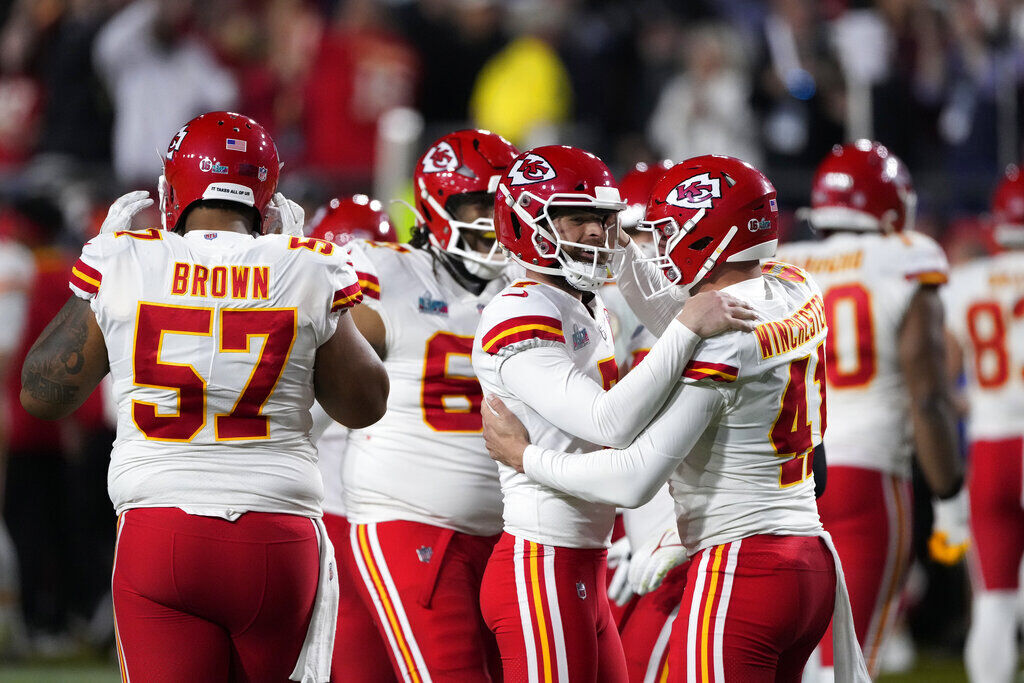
[{"x": 484, "y": 271}]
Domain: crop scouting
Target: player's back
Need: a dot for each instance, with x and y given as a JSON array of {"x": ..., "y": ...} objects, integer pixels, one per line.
[
  {"x": 526, "y": 315},
  {"x": 425, "y": 460},
  {"x": 750, "y": 472},
  {"x": 212, "y": 339},
  {"x": 868, "y": 281},
  {"x": 985, "y": 311}
]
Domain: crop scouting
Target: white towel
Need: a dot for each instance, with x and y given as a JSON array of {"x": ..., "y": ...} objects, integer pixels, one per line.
[
  {"x": 848, "y": 660},
  {"x": 314, "y": 665}
]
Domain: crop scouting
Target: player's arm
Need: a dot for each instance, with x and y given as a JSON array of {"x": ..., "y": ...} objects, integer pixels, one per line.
[
  {"x": 924, "y": 361},
  {"x": 65, "y": 363},
  {"x": 546, "y": 379},
  {"x": 349, "y": 378},
  {"x": 627, "y": 477},
  {"x": 638, "y": 276},
  {"x": 371, "y": 326}
]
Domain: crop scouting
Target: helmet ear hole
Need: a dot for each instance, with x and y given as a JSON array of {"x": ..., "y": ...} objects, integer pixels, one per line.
[
  {"x": 517, "y": 227},
  {"x": 701, "y": 244}
]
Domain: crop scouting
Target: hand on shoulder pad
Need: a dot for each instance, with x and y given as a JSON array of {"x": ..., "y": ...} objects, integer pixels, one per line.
[{"x": 710, "y": 313}]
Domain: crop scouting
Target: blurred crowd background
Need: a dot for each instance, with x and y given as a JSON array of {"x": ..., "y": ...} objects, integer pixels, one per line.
[{"x": 91, "y": 91}]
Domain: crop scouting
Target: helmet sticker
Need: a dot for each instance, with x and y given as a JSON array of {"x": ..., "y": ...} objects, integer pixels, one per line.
[
  {"x": 696, "y": 192},
  {"x": 176, "y": 141},
  {"x": 441, "y": 158},
  {"x": 531, "y": 169}
]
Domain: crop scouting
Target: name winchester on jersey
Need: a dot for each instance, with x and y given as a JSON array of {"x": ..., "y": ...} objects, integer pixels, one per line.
[
  {"x": 782, "y": 336},
  {"x": 238, "y": 282}
]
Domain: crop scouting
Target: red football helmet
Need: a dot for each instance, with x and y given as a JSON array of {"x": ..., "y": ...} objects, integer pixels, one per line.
[
  {"x": 707, "y": 210},
  {"x": 1008, "y": 209},
  {"x": 546, "y": 177},
  {"x": 862, "y": 186},
  {"x": 218, "y": 155},
  {"x": 354, "y": 218},
  {"x": 461, "y": 163},
  {"x": 635, "y": 189}
]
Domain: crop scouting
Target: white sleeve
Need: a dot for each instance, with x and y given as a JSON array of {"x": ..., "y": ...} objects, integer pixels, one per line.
[
  {"x": 652, "y": 517},
  {"x": 636, "y": 277},
  {"x": 631, "y": 476},
  {"x": 546, "y": 379},
  {"x": 321, "y": 421}
]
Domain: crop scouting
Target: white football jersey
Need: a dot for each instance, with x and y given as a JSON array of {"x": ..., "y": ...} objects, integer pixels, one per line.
[
  {"x": 867, "y": 282},
  {"x": 527, "y": 315},
  {"x": 633, "y": 341},
  {"x": 212, "y": 338},
  {"x": 985, "y": 312},
  {"x": 425, "y": 460},
  {"x": 735, "y": 438}
]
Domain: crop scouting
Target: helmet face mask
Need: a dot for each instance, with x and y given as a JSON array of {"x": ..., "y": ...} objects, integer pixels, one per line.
[
  {"x": 539, "y": 188},
  {"x": 703, "y": 212},
  {"x": 466, "y": 162},
  {"x": 218, "y": 155}
]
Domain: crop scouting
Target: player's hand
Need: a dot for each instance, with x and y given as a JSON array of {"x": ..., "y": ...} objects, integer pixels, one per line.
[
  {"x": 123, "y": 210},
  {"x": 284, "y": 217},
  {"x": 711, "y": 313},
  {"x": 950, "y": 533},
  {"x": 505, "y": 436},
  {"x": 619, "y": 590},
  {"x": 649, "y": 563}
]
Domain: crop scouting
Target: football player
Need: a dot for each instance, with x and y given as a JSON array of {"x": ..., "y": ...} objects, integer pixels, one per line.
[
  {"x": 735, "y": 438},
  {"x": 217, "y": 340},
  {"x": 341, "y": 221},
  {"x": 422, "y": 497},
  {"x": 889, "y": 393},
  {"x": 985, "y": 300},
  {"x": 544, "y": 344}
]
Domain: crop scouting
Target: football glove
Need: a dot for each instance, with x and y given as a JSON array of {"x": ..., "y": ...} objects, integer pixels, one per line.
[
  {"x": 950, "y": 534},
  {"x": 123, "y": 210},
  {"x": 285, "y": 217},
  {"x": 619, "y": 590},
  {"x": 652, "y": 561}
]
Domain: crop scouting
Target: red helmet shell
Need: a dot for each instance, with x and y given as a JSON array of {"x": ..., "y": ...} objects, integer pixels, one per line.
[
  {"x": 458, "y": 163},
  {"x": 862, "y": 186},
  {"x": 352, "y": 218},
  {"x": 1008, "y": 208},
  {"x": 219, "y": 155},
  {"x": 636, "y": 187},
  {"x": 708, "y": 210},
  {"x": 555, "y": 175}
]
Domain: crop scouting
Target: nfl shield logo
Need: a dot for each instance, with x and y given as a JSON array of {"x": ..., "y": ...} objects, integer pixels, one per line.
[
  {"x": 261, "y": 174},
  {"x": 425, "y": 553},
  {"x": 581, "y": 590}
]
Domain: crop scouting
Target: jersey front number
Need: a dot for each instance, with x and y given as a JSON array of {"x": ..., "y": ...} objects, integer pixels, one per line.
[
  {"x": 236, "y": 328},
  {"x": 987, "y": 326},
  {"x": 792, "y": 433},
  {"x": 450, "y": 402},
  {"x": 850, "y": 344}
]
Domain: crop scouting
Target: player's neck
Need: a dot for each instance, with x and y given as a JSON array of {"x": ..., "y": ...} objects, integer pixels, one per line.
[
  {"x": 728, "y": 274},
  {"x": 204, "y": 218},
  {"x": 555, "y": 281}
]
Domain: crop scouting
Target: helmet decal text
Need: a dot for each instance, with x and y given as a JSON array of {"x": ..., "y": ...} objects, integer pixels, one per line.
[
  {"x": 530, "y": 169},
  {"x": 696, "y": 192}
]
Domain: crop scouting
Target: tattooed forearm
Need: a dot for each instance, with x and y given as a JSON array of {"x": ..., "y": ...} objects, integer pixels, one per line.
[{"x": 66, "y": 362}]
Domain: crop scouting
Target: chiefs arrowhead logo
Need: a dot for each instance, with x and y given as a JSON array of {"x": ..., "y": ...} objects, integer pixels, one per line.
[
  {"x": 696, "y": 192},
  {"x": 440, "y": 158},
  {"x": 530, "y": 169}
]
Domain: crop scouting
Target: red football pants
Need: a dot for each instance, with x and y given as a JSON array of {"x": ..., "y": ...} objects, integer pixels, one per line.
[
  {"x": 869, "y": 515},
  {"x": 204, "y": 599},
  {"x": 421, "y": 584},
  {"x": 994, "y": 483},
  {"x": 360, "y": 653},
  {"x": 646, "y": 627},
  {"x": 753, "y": 610},
  {"x": 548, "y": 607}
]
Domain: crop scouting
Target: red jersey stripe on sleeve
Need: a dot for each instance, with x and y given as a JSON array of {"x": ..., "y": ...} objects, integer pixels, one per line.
[
  {"x": 522, "y": 328},
  {"x": 85, "y": 277},
  {"x": 344, "y": 298},
  {"x": 719, "y": 372},
  {"x": 370, "y": 284}
]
